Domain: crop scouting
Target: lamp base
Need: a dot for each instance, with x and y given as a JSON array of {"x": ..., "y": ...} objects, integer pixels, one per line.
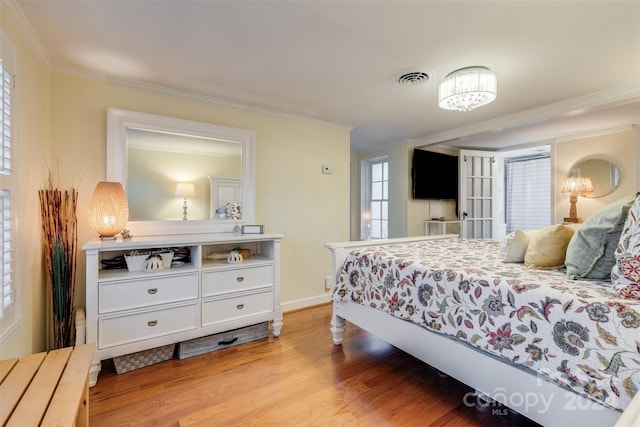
[
  {"x": 184, "y": 210},
  {"x": 108, "y": 237},
  {"x": 572, "y": 220}
]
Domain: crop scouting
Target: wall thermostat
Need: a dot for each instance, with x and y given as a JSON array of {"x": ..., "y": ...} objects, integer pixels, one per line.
[{"x": 327, "y": 169}]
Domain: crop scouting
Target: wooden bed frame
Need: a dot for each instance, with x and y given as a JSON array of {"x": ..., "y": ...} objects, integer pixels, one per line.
[{"x": 522, "y": 390}]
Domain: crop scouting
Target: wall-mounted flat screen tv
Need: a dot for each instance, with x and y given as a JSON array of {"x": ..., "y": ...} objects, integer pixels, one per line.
[{"x": 434, "y": 175}]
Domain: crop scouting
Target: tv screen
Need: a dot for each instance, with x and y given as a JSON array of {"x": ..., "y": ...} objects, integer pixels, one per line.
[{"x": 435, "y": 175}]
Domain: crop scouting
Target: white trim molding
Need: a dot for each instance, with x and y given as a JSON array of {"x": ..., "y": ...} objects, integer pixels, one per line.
[{"x": 572, "y": 107}]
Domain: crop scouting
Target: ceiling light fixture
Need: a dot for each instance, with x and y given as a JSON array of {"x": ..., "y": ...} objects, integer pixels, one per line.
[{"x": 467, "y": 88}]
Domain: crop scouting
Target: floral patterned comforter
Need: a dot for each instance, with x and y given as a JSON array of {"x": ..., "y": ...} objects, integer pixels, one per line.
[{"x": 579, "y": 334}]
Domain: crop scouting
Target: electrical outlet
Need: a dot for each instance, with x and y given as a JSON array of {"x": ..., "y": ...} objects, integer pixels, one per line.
[{"x": 328, "y": 281}]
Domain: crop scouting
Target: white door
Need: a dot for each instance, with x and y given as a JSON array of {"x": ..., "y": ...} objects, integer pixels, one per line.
[{"x": 480, "y": 199}]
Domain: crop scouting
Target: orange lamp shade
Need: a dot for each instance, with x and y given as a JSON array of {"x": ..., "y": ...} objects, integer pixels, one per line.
[{"x": 108, "y": 209}]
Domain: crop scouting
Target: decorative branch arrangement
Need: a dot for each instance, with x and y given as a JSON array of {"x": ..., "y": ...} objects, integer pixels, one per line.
[{"x": 59, "y": 227}]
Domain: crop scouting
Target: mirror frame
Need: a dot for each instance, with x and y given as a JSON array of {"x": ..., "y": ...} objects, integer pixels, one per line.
[{"x": 118, "y": 121}]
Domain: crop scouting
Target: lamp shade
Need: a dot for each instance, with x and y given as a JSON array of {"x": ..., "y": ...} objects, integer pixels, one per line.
[
  {"x": 185, "y": 189},
  {"x": 108, "y": 209},
  {"x": 577, "y": 185},
  {"x": 467, "y": 88}
]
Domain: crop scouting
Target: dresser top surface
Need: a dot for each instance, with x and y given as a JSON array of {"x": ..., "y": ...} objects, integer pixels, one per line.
[{"x": 177, "y": 240}]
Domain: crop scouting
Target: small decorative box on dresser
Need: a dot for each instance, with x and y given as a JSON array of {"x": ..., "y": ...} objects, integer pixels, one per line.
[{"x": 200, "y": 294}]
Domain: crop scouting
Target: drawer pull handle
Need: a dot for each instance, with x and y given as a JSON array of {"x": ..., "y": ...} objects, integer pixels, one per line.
[
  {"x": 239, "y": 279},
  {"x": 152, "y": 323},
  {"x": 240, "y": 306},
  {"x": 228, "y": 342},
  {"x": 152, "y": 290}
]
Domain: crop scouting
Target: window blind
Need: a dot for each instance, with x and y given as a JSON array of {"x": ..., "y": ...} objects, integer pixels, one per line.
[
  {"x": 9, "y": 292},
  {"x": 528, "y": 192},
  {"x": 6, "y": 236},
  {"x": 5, "y": 105}
]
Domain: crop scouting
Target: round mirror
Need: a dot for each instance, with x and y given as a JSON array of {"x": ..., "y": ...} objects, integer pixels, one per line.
[{"x": 604, "y": 176}]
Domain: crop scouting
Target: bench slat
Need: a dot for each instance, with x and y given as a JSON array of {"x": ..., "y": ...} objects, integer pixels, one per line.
[
  {"x": 12, "y": 389},
  {"x": 35, "y": 400},
  {"x": 5, "y": 367},
  {"x": 72, "y": 395}
]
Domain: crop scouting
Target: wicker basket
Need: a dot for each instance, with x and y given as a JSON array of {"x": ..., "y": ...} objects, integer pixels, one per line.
[
  {"x": 136, "y": 262},
  {"x": 167, "y": 257},
  {"x": 140, "y": 359}
]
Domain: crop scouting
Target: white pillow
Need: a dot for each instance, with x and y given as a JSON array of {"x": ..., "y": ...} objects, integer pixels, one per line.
[{"x": 515, "y": 245}]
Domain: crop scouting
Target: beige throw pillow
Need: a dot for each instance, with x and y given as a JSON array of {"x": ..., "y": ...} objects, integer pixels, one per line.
[{"x": 548, "y": 247}]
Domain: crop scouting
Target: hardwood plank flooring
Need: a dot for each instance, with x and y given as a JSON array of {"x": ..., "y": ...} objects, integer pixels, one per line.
[{"x": 298, "y": 379}]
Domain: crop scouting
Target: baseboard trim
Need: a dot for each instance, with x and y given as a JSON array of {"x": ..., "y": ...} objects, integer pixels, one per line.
[{"x": 305, "y": 302}]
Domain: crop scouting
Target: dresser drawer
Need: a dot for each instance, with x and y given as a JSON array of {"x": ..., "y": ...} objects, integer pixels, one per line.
[
  {"x": 140, "y": 326},
  {"x": 236, "y": 279},
  {"x": 145, "y": 292},
  {"x": 226, "y": 309}
]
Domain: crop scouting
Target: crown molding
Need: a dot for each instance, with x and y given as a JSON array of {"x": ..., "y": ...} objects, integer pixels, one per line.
[
  {"x": 15, "y": 15},
  {"x": 589, "y": 134},
  {"x": 572, "y": 107},
  {"x": 224, "y": 103},
  {"x": 163, "y": 90}
]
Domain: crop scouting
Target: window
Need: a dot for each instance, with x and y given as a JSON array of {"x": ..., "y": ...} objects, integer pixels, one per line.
[
  {"x": 614, "y": 176},
  {"x": 9, "y": 312},
  {"x": 528, "y": 192},
  {"x": 375, "y": 206}
]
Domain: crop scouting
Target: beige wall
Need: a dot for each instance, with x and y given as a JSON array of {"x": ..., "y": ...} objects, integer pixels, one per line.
[
  {"x": 62, "y": 122},
  {"x": 293, "y": 197},
  {"x": 398, "y": 190},
  {"x": 406, "y": 215},
  {"x": 620, "y": 148},
  {"x": 354, "y": 204}
]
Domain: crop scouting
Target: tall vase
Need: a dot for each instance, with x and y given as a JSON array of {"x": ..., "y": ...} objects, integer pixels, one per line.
[{"x": 59, "y": 226}]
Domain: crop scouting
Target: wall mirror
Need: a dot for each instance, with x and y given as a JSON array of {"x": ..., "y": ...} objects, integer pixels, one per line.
[
  {"x": 604, "y": 175},
  {"x": 181, "y": 176}
]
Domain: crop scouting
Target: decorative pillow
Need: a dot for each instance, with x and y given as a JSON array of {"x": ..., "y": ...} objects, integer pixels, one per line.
[
  {"x": 630, "y": 267},
  {"x": 515, "y": 245},
  {"x": 628, "y": 247},
  {"x": 591, "y": 251},
  {"x": 506, "y": 244},
  {"x": 631, "y": 291},
  {"x": 548, "y": 247},
  {"x": 630, "y": 229}
]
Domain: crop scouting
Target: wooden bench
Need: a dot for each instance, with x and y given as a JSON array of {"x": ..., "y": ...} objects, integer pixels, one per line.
[{"x": 46, "y": 389}]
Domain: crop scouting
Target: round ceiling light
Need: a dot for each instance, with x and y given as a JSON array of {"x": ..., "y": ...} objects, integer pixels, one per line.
[{"x": 467, "y": 89}]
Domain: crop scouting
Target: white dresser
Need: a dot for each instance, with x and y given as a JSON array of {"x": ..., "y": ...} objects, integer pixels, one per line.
[{"x": 128, "y": 311}]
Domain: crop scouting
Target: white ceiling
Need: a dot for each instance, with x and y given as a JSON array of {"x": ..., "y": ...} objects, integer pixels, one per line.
[{"x": 334, "y": 61}]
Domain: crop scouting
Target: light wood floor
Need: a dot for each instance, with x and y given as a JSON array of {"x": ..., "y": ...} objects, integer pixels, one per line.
[{"x": 298, "y": 379}]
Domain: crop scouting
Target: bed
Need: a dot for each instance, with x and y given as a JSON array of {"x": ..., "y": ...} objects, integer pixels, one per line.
[{"x": 561, "y": 352}]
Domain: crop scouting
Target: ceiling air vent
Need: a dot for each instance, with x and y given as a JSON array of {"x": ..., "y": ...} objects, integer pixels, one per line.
[{"x": 411, "y": 77}]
